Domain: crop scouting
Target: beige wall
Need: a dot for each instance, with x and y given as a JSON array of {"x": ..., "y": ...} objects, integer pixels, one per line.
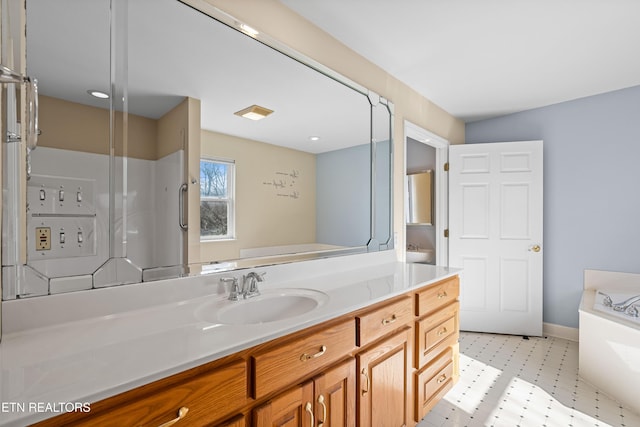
[
  {"x": 279, "y": 22},
  {"x": 72, "y": 126},
  {"x": 172, "y": 130},
  {"x": 263, "y": 218}
]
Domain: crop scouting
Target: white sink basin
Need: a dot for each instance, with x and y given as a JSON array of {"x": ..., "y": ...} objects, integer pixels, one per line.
[
  {"x": 270, "y": 306},
  {"x": 421, "y": 255}
]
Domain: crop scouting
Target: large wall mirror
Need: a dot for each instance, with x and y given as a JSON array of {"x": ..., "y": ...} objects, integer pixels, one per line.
[{"x": 146, "y": 168}]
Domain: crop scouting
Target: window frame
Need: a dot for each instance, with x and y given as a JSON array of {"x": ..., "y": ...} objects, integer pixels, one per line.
[{"x": 230, "y": 199}]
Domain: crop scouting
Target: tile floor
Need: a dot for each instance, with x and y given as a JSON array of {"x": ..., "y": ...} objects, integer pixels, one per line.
[{"x": 509, "y": 381}]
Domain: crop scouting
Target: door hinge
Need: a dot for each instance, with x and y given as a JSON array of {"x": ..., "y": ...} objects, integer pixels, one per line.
[
  {"x": 446, "y": 167},
  {"x": 446, "y": 232}
]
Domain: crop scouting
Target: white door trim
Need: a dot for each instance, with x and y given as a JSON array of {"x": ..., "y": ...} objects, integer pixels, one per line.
[{"x": 441, "y": 198}]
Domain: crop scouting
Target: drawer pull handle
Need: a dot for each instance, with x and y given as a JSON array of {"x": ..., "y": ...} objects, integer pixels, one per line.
[
  {"x": 309, "y": 409},
  {"x": 324, "y": 410},
  {"x": 390, "y": 320},
  {"x": 442, "y": 332},
  {"x": 306, "y": 356},
  {"x": 442, "y": 295},
  {"x": 442, "y": 379},
  {"x": 364, "y": 372},
  {"x": 182, "y": 412}
]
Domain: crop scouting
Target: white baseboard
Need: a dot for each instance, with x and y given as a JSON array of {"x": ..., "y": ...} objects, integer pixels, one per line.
[{"x": 559, "y": 331}]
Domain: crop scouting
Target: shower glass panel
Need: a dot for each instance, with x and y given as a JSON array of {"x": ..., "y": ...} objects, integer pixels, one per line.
[{"x": 95, "y": 182}]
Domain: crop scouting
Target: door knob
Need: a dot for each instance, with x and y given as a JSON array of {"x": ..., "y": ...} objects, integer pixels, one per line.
[{"x": 535, "y": 248}]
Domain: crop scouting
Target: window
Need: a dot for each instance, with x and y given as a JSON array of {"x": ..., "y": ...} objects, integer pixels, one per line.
[{"x": 217, "y": 199}]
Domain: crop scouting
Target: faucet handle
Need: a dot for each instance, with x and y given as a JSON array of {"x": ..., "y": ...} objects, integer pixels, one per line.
[
  {"x": 250, "y": 284},
  {"x": 234, "y": 290}
]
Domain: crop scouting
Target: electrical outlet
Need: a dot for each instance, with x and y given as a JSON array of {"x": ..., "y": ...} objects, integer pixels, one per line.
[{"x": 43, "y": 238}]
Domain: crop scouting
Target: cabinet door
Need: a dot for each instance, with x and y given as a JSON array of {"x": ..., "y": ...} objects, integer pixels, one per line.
[
  {"x": 239, "y": 421},
  {"x": 335, "y": 396},
  {"x": 383, "y": 383},
  {"x": 293, "y": 408}
]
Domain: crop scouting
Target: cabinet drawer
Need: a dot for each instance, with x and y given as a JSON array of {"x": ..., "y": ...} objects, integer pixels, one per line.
[
  {"x": 436, "y": 296},
  {"x": 290, "y": 362},
  {"x": 374, "y": 324},
  {"x": 437, "y": 328},
  {"x": 207, "y": 397},
  {"x": 433, "y": 382}
]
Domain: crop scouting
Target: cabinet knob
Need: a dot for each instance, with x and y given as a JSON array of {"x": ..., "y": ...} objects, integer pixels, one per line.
[
  {"x": 390, "y": 320},
  {"x": 442, "y": 331},
  {"x": 306, "y": 356},
  {"x": 309, "y": 409},
  {"x": 442, "y": 295},
  {"x": 182, "y": 412},
  {"x": 324, "y": 410},
  {"x": 442, "y": 379},
  {"x": 366, "y": 376}
]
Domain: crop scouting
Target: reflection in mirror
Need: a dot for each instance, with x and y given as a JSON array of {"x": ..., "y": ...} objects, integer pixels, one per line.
[{"x": 117, "y": 182}]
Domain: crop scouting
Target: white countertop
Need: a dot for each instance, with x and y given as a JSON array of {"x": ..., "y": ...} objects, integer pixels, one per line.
[{"x": 84, "y": 347}]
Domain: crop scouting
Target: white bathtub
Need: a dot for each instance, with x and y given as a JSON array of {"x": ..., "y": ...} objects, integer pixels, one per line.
[{"x": 609, "y": 347}]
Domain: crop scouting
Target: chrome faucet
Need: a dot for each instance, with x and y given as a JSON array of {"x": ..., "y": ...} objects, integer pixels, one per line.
[
  {"x": 632, "y": 311},
  {"x": 250, "y": 284},
  {"x": 627, "y": 307},
  {"x": 234, "y": 289},
  {"x": 607, "y": 301}
]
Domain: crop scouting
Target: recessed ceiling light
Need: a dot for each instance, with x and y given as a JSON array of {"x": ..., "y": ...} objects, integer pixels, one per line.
[
  {"x": 248, "y": 30},
  {"x": 98, "y": 94},
  {"x": 314, "y": 138},
  {"x": 255, "y": 112}
]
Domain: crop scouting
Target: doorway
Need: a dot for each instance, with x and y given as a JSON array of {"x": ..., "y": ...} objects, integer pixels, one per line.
[{"x": 425, "y": 151}]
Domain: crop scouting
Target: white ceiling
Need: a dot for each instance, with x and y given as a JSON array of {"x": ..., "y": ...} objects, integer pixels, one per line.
[
  {"x": 480, "y": 59},
  {"x": 172, "y": 52}
]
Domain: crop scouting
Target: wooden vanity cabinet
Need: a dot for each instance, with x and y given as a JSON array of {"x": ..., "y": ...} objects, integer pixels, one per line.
[
  {"x": 383, "y": 382},
  {"x": 336, "y": 396},
  {"x": 293, "y": 408},
  {"x": 326, "y": 401},
  {"x": 287, "y": 361},
  {"x": 373, "y": 367},
  {"x": 200, "y": 399},
  {"x": 383, "y": 319},
  {"x": 239, "y": 421},
  {"x": 437, "y": 295},
  {"x": 436, "y": 343},
  {"x": 383, "y": 363}
]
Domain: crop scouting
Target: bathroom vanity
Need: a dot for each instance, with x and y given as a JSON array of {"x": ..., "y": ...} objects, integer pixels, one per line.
[
  {"x": 380, "y": 349},
  {"x": 99, "y": 324}
]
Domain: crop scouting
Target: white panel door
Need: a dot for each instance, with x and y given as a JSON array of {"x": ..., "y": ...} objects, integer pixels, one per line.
[{"x": 495, "y": 235}]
